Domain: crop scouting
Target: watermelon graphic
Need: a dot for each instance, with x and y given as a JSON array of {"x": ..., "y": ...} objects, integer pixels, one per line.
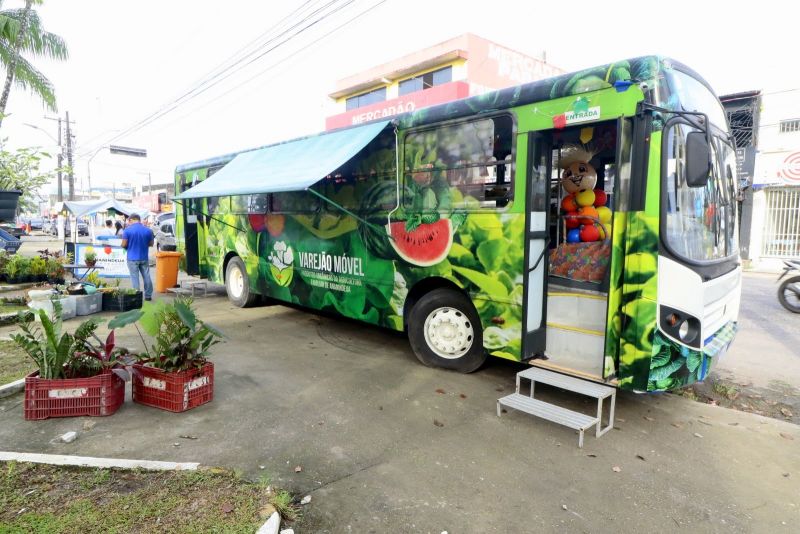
[{"x": 426, "y": 245}]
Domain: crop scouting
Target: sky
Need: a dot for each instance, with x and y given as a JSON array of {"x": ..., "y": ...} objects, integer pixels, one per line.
[{"x": 134, "y": 60}]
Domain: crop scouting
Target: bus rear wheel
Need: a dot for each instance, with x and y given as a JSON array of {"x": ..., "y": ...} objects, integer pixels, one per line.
[
  {"x": 237, "y": 284},
  {"x": 444, "y": 331}
]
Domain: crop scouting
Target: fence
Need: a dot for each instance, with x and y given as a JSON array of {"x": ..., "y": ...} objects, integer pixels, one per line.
[{"x": 782, "y": 223}]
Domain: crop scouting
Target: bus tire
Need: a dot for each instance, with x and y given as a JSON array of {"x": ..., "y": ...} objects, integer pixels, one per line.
[
  {"x": 789, "y": 294},
  {"x": 445, "y": 331},
  {"x": 237, "y": 284}
]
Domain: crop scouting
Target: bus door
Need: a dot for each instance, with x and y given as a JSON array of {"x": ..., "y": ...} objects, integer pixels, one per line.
[
  {"x": 580, "y": 175},
  {"x": 537, "y": 237},
  {"x": 190, "y": 209}
]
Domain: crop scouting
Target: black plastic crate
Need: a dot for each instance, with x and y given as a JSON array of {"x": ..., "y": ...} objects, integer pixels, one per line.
[{"x": 121, "y": 302}]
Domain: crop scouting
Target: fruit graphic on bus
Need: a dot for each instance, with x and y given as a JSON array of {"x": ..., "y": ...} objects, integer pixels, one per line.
[{"x": 426, "y": 245}]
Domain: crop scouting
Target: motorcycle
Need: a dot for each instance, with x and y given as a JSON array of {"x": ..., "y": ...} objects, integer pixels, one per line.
[{"x": 789, "y": 290}]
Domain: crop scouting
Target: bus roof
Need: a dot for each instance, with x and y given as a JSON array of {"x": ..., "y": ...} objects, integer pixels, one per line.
[{"x": 640, "y": 69}]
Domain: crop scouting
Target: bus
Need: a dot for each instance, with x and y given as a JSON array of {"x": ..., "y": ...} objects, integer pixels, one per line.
[{"x": 476, "y": 227}]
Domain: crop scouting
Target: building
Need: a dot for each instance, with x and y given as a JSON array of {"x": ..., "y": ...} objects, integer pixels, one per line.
[
  {"x": 769, "y": 167},
  {"x": 464, "y": 66}
]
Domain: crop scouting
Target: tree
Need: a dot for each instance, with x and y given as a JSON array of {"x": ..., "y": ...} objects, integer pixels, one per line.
[
  {"x": 19, "y": 170},
  {"x": 21, "y": 32}
]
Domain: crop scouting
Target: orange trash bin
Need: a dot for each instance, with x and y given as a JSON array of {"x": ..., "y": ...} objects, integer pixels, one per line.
[{"x": 167, "y": 270}]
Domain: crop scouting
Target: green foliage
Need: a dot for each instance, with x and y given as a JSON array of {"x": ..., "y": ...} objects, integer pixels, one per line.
[
  {"x": 90, "y": 257},
  {"x": 181, "y": 339},
  {"x": 19, "y": 170},
  {"x": 37, "y": 266},
  {"x": 21, "y": 32},
  {"x": 59, "y": 354},
  {"x": 17, "y": 266}
]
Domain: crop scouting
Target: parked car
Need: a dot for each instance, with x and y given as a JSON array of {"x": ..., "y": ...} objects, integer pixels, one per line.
[
  {"x": 16, "y": 231},
  {"x": 163, "y": 217},
  {"x": 165, "y": 235},
  {"x": 83, "y": 228},
  {"x": 36, "y": 222}
]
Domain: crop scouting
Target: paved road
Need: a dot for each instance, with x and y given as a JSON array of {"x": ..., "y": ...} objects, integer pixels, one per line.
[
  {"x": 767, "y": 348},
  {"x": 387, "y": 445}
]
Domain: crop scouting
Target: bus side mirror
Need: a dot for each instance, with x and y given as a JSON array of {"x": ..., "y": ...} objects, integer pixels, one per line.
[{"x": 698, "y": 159}]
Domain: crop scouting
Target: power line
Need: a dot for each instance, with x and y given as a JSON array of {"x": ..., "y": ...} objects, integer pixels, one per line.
[
  {"x": 274, "y": 65},
  {"x": 221, "y": 76}
]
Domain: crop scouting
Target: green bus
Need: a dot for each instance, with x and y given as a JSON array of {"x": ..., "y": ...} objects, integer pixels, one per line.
[{"x": 584, "y": 223}]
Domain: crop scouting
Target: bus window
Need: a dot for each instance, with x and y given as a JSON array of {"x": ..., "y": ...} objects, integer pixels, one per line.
[
  {"x": 476, "y": 157},
  {"x": 245, "y": 204},
  {"x": 295, "y": 202}
]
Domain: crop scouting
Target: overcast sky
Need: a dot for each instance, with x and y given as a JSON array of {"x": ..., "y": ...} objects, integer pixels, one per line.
[{"x": 130, "y": 59}]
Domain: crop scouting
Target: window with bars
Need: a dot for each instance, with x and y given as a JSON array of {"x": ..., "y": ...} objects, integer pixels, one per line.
[
  {"x": 782, "y": 224},
  {"x": 791, "y": 125}
]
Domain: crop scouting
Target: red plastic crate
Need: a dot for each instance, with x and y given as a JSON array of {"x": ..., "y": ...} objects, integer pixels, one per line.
[
  {"x": 174, "y": 392},
  {"x": 98, "y": 395}
]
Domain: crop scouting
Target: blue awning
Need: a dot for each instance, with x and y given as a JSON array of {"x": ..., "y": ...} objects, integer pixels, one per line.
[{"x": 290, "y": 166}]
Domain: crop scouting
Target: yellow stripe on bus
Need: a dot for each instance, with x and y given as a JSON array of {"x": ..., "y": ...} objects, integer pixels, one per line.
[
  {"x": 581, "y": 295},
  {"x": 577, "y": 329}
]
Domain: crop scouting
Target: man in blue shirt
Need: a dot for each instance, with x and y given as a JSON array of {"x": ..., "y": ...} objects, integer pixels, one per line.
[{"x": 137, "y": 239}]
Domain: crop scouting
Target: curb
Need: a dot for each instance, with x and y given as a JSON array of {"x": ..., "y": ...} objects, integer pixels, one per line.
[
  {"x": 6, "y": 390},
  {"x": 88, "y": 461}
]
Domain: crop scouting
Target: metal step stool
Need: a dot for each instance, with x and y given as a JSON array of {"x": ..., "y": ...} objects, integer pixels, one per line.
[
  {"x": 557, "y": 414},
  {"x": 188, "y": 287}
]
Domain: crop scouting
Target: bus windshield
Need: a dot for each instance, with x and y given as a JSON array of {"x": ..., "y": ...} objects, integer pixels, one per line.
[{"x": 700, "y": 221}]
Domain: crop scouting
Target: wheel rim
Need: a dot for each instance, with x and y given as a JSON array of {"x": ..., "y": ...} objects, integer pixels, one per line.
[
  {"x": 236, "y": 282},
  {"x": 448, "y": 333}
]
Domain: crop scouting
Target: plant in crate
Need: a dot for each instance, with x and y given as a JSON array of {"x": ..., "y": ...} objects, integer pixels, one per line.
[
  {"x": 122, "y": 299},
  {"x": 174, "y": 373},
  {"x": 74, "y": 377},
  {"x": 38, "y": 269},
  {"x": 16, "y": 269}
]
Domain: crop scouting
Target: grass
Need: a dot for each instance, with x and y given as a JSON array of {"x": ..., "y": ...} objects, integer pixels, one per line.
[
  {"x": 14, "y": 363},
  {"x": 729, "y": 391},
  {"x": 53, "y": 499}
]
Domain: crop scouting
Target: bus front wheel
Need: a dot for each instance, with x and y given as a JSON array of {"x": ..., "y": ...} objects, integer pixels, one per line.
[
  {"x": 444, "y": 331},
  {"x": 237, "y": 284}
]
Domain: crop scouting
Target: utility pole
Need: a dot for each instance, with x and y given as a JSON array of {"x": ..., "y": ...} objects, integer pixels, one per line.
[
  {"x": 70, "y": 175},
  {"x": 60, "y": 158},
  {"x": 60, "y": 164}
]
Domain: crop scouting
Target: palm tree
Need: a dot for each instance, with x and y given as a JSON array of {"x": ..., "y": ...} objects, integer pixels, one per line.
[{"x": 21, "y": 31}]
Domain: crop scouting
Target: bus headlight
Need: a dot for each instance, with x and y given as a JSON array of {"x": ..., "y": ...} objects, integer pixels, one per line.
[
  {"x": 680, "y": 326},
  {"x": 683, "y": 330}
]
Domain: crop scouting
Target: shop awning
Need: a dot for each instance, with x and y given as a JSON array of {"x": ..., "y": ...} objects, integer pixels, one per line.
[
  {"x": 79, "y": 208},
  {"x": 291, "y": 166}
]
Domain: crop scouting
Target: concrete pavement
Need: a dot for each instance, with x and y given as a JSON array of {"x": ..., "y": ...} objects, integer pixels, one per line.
[{"x": 387, "y": 445}]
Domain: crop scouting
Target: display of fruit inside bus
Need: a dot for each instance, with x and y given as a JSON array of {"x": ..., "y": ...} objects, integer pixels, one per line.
[{"x": 587, "y": 217}]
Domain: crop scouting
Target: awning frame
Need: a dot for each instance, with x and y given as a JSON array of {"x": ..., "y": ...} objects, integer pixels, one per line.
[{"x": 323, "y": 197}]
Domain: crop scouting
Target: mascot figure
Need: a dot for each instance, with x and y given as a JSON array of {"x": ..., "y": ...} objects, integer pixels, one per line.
[{"x": 586, "y": 216}]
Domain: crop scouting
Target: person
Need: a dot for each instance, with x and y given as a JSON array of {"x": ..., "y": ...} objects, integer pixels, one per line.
[
  {"x": 118, "y": 228},
  {"x": 137, "y": 240},
  {"x": 108, "y": 229}
]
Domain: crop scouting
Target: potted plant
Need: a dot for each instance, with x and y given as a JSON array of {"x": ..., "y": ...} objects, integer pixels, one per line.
[
  {"x": 174, "y": 374},
  {"x": 122, "y": 299},
  {"x": 16, "y": 269},
  {"x": 4, "y": 256},
  {"x": 9, "y": 199},
  {"x": 37, "y": 268},
  {"x": 90, "y": 257},
  {"x": 74, "y": 376},
  {"x": 55, "y": 270},
  {"x": 54, "y": 265}
]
